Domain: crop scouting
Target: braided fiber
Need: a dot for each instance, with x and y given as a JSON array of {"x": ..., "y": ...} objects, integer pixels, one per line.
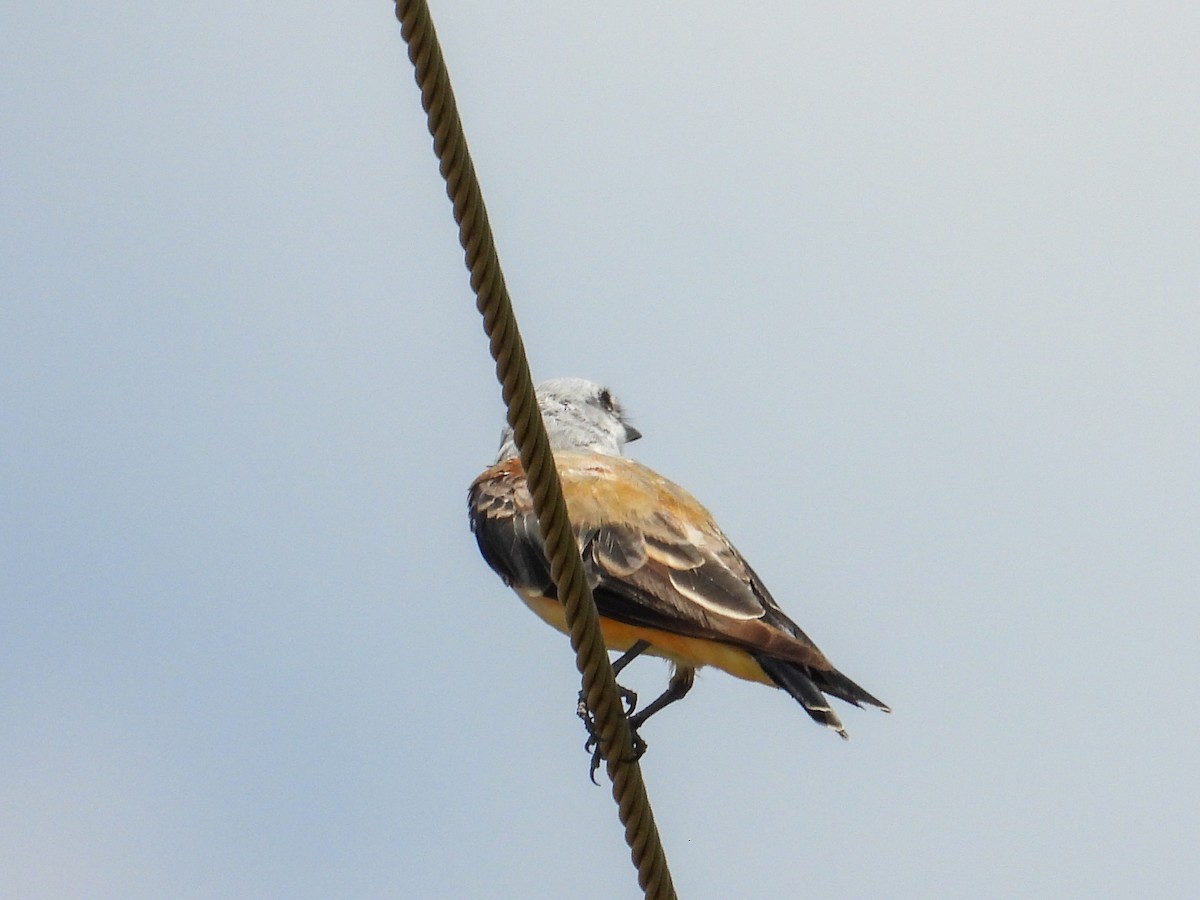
[{"x": 512, "y": 370}]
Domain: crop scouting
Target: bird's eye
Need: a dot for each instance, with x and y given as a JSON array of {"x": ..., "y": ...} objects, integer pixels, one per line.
[{"x": 605, "y": 398}]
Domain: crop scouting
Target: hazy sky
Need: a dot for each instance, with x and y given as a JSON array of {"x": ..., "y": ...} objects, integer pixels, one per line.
[{"x": 907, "y": 294}]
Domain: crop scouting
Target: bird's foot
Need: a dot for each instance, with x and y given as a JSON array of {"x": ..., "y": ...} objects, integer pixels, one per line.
[{"x": 592, "y": 744}]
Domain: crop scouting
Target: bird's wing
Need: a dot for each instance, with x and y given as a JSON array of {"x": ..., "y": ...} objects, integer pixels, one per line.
[{"x": 653, "y": 555}]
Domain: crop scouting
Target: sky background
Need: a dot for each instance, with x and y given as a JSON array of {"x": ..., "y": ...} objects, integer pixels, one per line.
[{"x": 907, "y": 294}]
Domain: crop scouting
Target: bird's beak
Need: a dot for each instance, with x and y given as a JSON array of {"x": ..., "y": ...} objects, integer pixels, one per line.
[{"x": 631, "y": 434}]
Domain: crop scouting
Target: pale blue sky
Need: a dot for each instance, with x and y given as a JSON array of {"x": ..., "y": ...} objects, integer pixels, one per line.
[{"x": 907, "y": 294}]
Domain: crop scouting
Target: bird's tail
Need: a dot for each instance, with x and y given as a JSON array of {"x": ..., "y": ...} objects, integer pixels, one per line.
[{"x": 809, "y": 686}]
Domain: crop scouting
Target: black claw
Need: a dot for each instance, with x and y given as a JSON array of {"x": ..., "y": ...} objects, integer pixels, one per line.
[
  {"x": 629, "y": 697},
  {"x": 592, "y": 744},
  {"x": 595, "y": 765}
]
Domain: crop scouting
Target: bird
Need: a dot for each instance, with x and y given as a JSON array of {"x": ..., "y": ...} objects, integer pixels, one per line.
[{"x": 666, "y": 580}]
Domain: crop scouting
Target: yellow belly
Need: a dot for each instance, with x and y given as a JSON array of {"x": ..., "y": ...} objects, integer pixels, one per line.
[{"x": 683, "y": 651}]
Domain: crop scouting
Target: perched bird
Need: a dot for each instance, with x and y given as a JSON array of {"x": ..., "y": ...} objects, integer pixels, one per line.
[{"x": 666, "y": 581}]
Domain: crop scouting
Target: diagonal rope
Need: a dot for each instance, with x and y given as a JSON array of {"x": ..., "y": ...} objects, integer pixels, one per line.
[{"x": 512, "y": 370}]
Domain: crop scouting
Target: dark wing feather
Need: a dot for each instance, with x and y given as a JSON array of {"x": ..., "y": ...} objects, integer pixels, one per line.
[
  {"x": 642, "y": 578},
  {"x": 614, "y": 550},
  {"x": 507, "y": 535}
]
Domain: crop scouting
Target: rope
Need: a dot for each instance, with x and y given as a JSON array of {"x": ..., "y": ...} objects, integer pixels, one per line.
[{"x": 512, "y": 370}]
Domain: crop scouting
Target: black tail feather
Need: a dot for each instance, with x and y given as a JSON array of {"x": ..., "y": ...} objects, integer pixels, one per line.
[
  {"x": 793, "y": 679},
  {"x": 809, "y": 686},
  {"x": 835, "y": 683}
]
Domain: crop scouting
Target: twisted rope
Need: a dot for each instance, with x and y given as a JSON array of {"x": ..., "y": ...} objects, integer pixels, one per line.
[{"x": 512, "y": 370}]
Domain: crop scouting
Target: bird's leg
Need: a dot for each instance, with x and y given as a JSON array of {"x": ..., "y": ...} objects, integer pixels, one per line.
[
  {"x": 628, "y": 697},
  {"x": 681, "y": 682},
  {"x": 635, "y": 650}
]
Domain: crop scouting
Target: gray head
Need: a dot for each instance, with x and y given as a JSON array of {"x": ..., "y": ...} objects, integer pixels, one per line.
[{"x": 579, "y": 415}]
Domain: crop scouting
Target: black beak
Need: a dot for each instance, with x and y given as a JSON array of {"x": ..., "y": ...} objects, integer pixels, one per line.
[{"x": 631, "y": 434}]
